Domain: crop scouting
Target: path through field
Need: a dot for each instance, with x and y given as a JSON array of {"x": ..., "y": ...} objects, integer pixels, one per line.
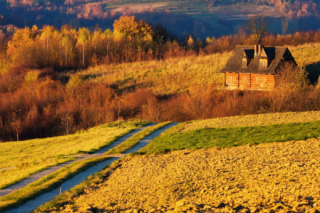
[
  {"x": 81, "y": 157},
  {"x": 33, "y": 204}
]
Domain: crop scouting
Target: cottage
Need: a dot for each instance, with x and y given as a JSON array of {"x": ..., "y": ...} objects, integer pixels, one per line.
[{"x": 255, "y": 67}]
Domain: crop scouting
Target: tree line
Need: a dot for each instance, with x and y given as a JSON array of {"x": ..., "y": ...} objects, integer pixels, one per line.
[{"x": 130, "y": 40}]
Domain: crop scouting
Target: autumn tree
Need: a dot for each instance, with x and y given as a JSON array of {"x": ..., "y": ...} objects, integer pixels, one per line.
[
  {"x": 20, "y": 46},
  {"x": 129, "y": 26},
  {"x": 83, "y": 39},
  {"x": 50, "y": 37},
  {"x": 258, "y": 27}
]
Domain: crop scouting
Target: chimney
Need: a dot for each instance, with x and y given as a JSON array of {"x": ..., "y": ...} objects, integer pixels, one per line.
[{"x": 255, "y": 50}]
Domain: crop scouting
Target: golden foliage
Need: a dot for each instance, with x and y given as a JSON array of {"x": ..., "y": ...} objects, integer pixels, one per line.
[{"x": 129, "y": 26}]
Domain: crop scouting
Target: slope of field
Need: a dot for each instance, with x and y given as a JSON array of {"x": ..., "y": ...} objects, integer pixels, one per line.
[
  {"x": 164, "y": 77},
  {"x": 31, "y": 156},
  {"x": 277, "y": 177},
  {"x": 180, "y": 74}
]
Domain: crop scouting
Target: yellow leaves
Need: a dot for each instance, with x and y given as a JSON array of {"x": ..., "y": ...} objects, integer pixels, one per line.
[
  {"x": 31, "y": 77},
  {"x": 75, "y": 80},
  {"x": 117, "y": 35},
  {"x": 129, "y": 26},
  {"x": 22, "y": 37},
  {"x": 83, "y": 36}
]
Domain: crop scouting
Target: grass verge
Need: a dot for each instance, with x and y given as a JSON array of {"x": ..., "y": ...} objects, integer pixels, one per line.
[
  {"x": 235, "y": 136},
  {"x": 47, "y": 183},
  {"x": 32, "y": 156},
  {"x": 68, "y": 196},
  {"x": 131, "y": 142}
]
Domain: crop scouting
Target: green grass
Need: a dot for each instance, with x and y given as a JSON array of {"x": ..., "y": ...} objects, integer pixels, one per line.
[
  {"x": 131, "y": 142},
  {"x": 47, "y": 183},
  {"x": 31, "y": 156},
  {"x": 67, "y": 197},
  {"x": 228, "y": 137}
]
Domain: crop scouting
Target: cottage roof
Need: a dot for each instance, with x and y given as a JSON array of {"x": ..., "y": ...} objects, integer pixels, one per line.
[{"x": 275, "y": 54}]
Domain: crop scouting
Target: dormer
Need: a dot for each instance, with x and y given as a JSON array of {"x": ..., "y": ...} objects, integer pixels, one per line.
[
  {"x": 263, "y": 57},
  {"x": 247, "y": 56},
  {"x": 244, "y": 62},
  {"x": 263, "y": 63}
]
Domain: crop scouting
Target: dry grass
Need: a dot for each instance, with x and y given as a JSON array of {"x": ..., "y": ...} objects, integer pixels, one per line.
[
  {"x": 163, "y": 77},
  {"x": 31, "y": 156},
  {"x": 277, "y": 176}
]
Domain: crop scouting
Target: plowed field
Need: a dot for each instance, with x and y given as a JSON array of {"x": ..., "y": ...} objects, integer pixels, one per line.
[{"x": 274, "y": 177}]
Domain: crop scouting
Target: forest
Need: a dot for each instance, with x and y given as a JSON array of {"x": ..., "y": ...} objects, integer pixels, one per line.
[{"x": 42, "y": 95}]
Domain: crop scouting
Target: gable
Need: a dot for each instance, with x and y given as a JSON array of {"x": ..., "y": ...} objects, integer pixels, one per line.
[
  {"x": 287, "y": 54},
  {"x": 263, "y": 53}
]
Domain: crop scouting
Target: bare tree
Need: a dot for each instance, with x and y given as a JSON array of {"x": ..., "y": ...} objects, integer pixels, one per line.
[
  {"x": 16, "y": 125},
  {"x": 67, "y": 122},
  {"x": 257, "y": 26},
  {"x": 284, "y": 24}
]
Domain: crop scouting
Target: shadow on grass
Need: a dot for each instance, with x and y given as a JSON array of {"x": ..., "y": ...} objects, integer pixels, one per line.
[{"x": 314, "y": 72}]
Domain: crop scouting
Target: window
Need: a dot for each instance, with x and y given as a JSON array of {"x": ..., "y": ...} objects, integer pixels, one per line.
[
  {"x": 232, "y": 79},
  {"x": 244, "y": 62},
  {"x": 257, "y": 79},
  {"x": 263, "y": 63},
  {"x": 244, "y": 79}
]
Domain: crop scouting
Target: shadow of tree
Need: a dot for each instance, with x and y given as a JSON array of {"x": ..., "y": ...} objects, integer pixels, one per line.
[{"x": 313, "y": 72}]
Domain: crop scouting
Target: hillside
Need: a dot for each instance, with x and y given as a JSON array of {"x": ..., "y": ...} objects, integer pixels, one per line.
[
  {"x": 181, "y": 87},
  {"x": 178, "y": 75}
]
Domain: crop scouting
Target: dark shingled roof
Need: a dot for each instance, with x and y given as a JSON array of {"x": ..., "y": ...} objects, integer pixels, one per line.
[{"x": 274, "y": 53}]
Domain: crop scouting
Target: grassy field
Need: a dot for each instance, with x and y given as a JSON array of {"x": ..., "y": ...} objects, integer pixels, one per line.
[
  {"x": 131, "y": 142},
  {"x": 180, "y": 74},
  {"x": 162, "y": 77},
  {"x": 47, "y": 183},
  {"x": 31, "y": 156},
  {"x": 228, "y": 137}
]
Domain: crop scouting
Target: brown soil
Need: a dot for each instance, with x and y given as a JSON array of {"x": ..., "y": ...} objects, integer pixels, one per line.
[{"x": 276, "y": 177}]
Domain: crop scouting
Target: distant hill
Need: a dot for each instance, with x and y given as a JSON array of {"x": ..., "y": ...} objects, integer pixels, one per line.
[{"x": 200, "y": 18}]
